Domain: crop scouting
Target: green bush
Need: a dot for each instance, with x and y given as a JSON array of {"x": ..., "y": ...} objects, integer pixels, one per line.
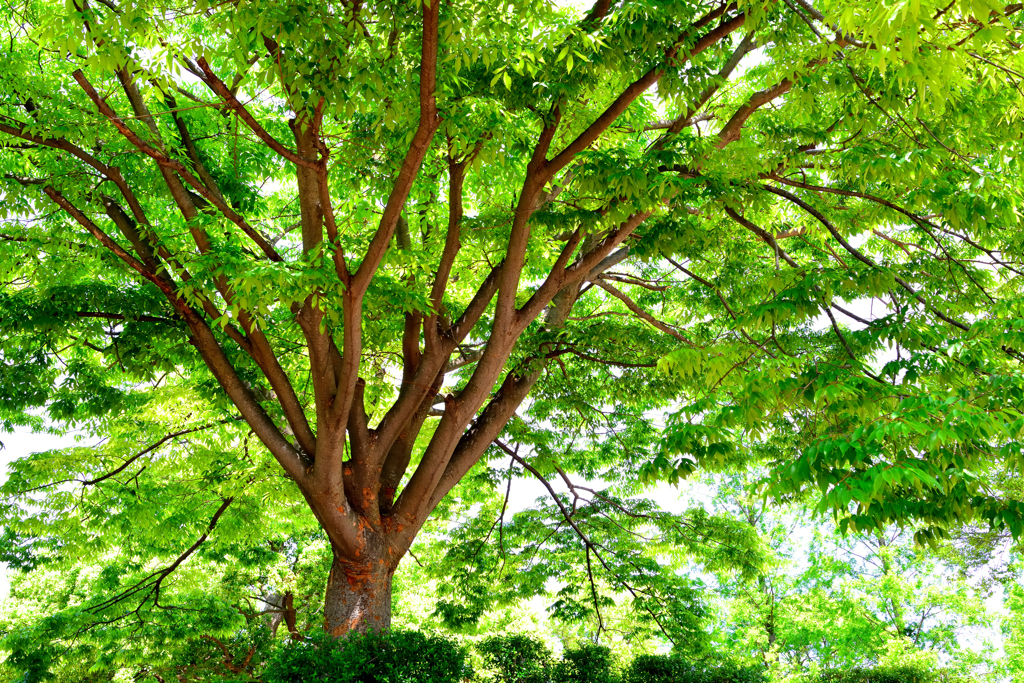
[
  {"x": 860, "y": 675},
  {"x": 674, "y": 669},
  {"x": 586, "y": 664},
  {"x": 389, "y": 657},
  {"x": 901, "y": 674},
  {"x": 515, "y": 658}
]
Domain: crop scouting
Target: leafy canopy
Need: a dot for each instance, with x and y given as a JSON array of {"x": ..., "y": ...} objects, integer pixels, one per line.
[{"x": 357, "y": 243}]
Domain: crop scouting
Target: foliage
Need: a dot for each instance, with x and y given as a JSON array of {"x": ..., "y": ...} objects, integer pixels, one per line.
[
  {"x": 515, "y": 658},
  {"x": 396, "y": 656},
  {"x": 675, "y": 669},
  {"x": 304, "y": 275},
  {"x": 1013, "y": 628},
  {"x": 841, "y": 602},
  {"x": 877, "y": 676},
  {"x": 588, "y": 663},
  {"x": 649, "y": 548},
  {"x": 887, "y": 675},
  {"x": 220, "y": 616},
  {"x": 901, "y": 663}
]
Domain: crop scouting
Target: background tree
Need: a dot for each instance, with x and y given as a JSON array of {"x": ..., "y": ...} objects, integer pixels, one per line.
[
  {"x": 366, "y": 274},
  {"x": 835, "y": 602},
  {"x": 1013, "y": 628}
]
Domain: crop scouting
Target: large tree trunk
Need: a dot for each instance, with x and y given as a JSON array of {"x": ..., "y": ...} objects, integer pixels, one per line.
[{"x": 359, "y": 594}]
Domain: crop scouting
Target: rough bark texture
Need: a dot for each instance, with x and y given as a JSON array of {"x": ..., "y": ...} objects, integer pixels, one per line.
[{"x": 359, "y": 595}]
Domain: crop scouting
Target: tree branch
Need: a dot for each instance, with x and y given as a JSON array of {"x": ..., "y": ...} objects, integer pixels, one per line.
[
  {"x": 642, "y": 84},
  {"x": 641, "y": 313},
  {"x": 176, "y": 166},
  {"x": 205, "y": 341},
  {"x": 152, "y": 583},
  {"x": 691, "y": 117},
  {"x": 425, "y": 129},
  {"x": 857, "y": 254},
  {"x": 763, "y": 234},
  {"x": 221, "y": 89},
  {"x": 366, "y": 463}
]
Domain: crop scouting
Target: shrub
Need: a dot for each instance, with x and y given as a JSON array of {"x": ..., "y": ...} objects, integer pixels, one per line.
[
  {"x": 674, "y": 669},
  {"x": 389, "y": 657},
  {"x": 586, "y": 664},
  {"x": 888, "y": 674},
  {"x": 515, "y": 658}
]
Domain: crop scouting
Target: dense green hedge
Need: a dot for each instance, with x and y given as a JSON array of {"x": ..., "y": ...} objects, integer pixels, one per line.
[
  {"x": 518, "y": 658},
  {"x": 585, "y": 664},
  {"x": 515, "y": 658},
  {"x": 875, "y": 676},
  {"x": 671, "y": 669},
  {"x": 888, "y": 675},
  {"x": 414, "y": 657},
  {"x": 391, "y": 657}
]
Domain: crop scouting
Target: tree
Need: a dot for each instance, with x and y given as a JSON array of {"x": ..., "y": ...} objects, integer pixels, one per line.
[
  {"x": 1013, "y": 664},
  {"x": 837, "y": 602},
  {"x": 306, "y": 198}
]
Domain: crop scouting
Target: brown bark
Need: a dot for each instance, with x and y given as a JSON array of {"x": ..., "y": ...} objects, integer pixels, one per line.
[{"x": 359, "y": 591}]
